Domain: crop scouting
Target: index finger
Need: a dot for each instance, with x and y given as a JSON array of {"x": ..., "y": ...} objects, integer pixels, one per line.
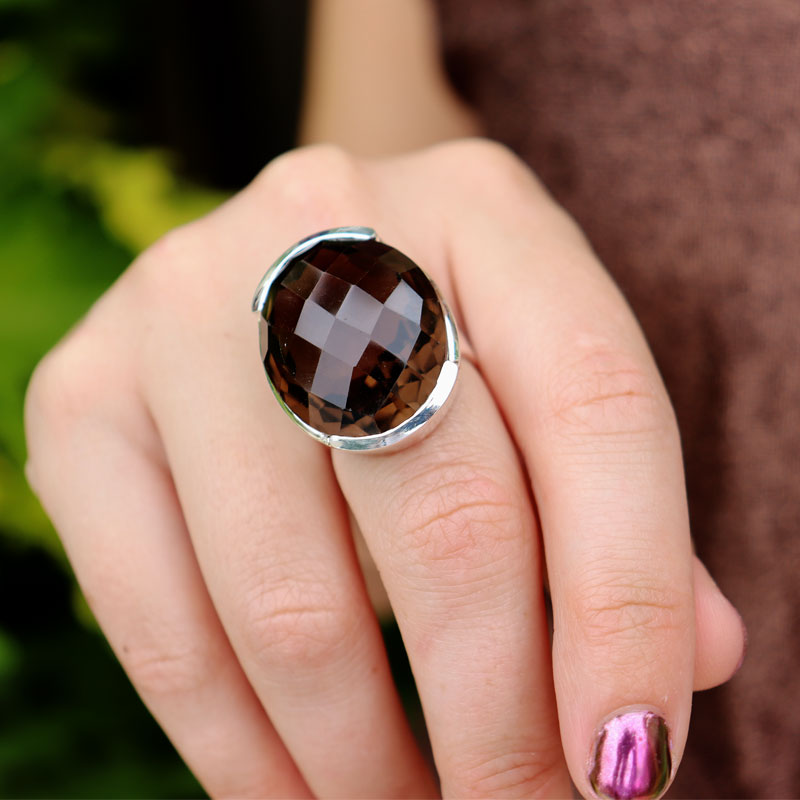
[{"x": 585, "y": 402}]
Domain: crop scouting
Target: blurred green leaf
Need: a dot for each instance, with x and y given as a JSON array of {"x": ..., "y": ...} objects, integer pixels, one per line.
[
  {"x": 136, "y": 192},
  {"x": 10, "y": 655},
  {"x": 75, "y": 208}
]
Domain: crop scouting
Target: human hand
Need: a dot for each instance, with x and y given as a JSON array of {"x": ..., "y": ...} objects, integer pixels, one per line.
[{"x": 211, "y": 537}]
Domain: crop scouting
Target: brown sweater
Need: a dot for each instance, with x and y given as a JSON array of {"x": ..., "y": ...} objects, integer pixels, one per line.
[{"x": 671, "y": 131}]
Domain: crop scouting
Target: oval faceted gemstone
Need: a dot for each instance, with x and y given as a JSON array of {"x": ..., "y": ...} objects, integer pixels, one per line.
[{"x": 353, "y": 337}]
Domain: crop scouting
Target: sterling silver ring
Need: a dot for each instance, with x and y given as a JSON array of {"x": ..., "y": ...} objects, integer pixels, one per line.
[{"x": 358, "y": 345}]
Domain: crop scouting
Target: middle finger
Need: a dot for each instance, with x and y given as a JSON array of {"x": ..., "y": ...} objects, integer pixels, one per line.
[{"x": 269, "y": 528}]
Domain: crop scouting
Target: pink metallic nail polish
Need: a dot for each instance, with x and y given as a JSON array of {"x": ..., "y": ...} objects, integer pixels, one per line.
[{"x": 632, "y": 758}]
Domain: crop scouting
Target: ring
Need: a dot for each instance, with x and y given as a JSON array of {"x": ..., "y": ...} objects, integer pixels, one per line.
[{"x": 358, "y": 345}]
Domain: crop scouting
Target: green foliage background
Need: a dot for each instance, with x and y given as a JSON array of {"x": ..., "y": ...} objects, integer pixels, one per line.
[{"x": 75, "y": 208}]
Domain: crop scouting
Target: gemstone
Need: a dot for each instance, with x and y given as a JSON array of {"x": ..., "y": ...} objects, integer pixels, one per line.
[{"x": 353, "y": 337}]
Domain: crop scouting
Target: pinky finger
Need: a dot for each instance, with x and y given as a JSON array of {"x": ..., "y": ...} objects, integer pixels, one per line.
[
  {"x": 123, "y": 530},
  {"x": 719, "y": 632}
]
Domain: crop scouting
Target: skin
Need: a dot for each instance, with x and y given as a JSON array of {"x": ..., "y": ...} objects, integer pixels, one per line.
[{"x": 212, "y": 538}]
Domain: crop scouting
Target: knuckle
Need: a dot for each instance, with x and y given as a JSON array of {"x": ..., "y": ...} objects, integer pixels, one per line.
[
  {"x": 620, "y": 610},
  {"x": 515, "y": 773},
  {"x": 316, "y": 183},
  {"x": 64, "y": 388},
  {"x": 460, "y": 521},
  {"x": 489, "y": 162},
  {"x": 237, "y": 785},
  {"x": 311, "y": 188},
  {"x": 176, "y": 245},
  {"x": 488, "y": 154},
  {"x": 46, "y": 386},
  {"x": 179, "y": 668},
  {"x": 164, "y": 278},
  {"x": 305, "y": 163},
  {"x": 600, "y": 390},
  {"x": 293, "y": 624}
]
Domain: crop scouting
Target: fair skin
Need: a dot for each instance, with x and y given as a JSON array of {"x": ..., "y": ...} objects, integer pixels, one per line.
[{"x": 212, "y": 539}]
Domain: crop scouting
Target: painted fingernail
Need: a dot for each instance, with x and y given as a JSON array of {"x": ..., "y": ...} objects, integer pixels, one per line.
[{"x": 632, "y": 758}]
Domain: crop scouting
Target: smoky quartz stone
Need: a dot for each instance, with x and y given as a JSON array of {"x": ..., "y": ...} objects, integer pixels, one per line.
[{"x": 353, "y": 337}]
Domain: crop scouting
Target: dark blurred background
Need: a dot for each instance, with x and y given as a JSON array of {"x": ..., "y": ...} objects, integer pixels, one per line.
[{"x": 118, "y": 121}]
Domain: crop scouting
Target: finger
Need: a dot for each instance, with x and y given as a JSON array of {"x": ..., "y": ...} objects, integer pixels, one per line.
[
  {"x": 270, "y": 530},
  {"x": 114, "y": 506},
  {"x": 585, "y": 402},
  {"x": 720, "y": 631},
  {"x": 450, "y": 525}
]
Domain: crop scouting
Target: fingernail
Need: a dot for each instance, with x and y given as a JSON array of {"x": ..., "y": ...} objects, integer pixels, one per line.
[{"x": 632, "y": 759}]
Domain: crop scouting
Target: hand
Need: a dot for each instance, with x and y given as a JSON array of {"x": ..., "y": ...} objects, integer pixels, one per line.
[{"x": 211, "y": 538}]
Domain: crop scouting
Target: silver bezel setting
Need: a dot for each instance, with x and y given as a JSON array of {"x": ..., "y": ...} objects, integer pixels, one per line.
[{"x": 412, "y": 427}]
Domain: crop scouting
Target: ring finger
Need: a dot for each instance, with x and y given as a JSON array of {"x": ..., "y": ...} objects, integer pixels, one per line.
[{"x": 450, "y": 525}]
